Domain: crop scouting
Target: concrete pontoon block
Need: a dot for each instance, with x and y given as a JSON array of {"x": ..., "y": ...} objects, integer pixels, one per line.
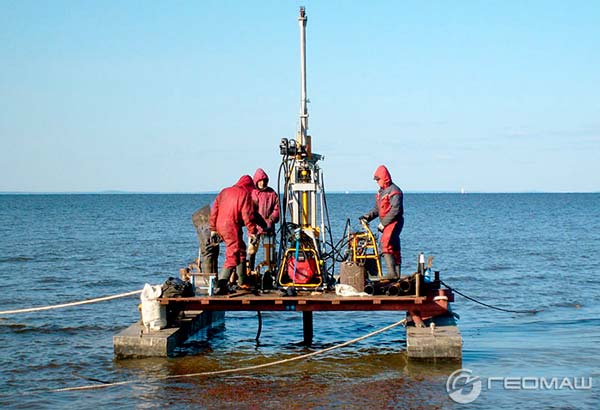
[
  {"x": 437, "y": 342},
  {"x": 136, "y": 342}
]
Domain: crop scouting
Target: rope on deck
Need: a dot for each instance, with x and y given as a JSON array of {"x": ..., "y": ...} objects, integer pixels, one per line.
[
  {"x": 81, "y": 302},
  {"x": 236, "y": 370}
]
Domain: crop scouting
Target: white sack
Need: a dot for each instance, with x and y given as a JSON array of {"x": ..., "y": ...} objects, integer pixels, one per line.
[{"x": 154, "y": 315}]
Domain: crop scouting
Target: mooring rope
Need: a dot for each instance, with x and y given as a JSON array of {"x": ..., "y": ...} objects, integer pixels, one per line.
[
  {"x": 239, "y": 369},
  {"x": 81, "y": 302},
  {"x": 530, "y": 311}
]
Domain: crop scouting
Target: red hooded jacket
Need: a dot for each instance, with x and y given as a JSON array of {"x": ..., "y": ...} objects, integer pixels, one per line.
[
  {"x": 233, "y": 208},
  {"x": 388, "y": 201},
  {"x": 266, "y": 202}
]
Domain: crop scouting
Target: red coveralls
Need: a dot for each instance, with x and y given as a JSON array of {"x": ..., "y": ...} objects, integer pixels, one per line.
[
  {"x": 232, "y": 210},
  {"x": 266, "y": 202},
  {"x": 390, "y": 209}
]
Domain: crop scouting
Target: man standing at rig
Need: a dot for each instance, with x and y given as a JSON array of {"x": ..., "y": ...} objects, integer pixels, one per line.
[
  {"x": 266, "y": 202},
  {"x": 232, "y": 210},
  {"x": 390, "y": 210}
]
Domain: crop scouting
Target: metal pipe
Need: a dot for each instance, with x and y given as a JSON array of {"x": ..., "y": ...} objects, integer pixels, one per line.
[
  {"x": 303, "y": 100},
  {"x": 402, "y": 287},
  {"x": 305, "y": 221},
  {"x": 377, "y": 288},
  {"x": 369, "y": 289},
  {"x": 393, "y": 290}
]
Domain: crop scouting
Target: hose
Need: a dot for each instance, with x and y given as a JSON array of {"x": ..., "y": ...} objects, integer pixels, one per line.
[
  {"x": 259, "y": 325},
  {"x": 531, "y": 311}
]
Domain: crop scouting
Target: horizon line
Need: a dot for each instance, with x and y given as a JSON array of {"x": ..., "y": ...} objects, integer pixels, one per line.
[{"x": 119, "y": 192}]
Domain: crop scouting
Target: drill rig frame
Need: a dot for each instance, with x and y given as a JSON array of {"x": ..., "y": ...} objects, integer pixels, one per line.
[{"x": 302, "y": 260}]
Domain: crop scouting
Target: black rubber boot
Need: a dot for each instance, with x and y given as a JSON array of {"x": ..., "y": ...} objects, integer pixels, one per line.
[
  {"x": 222, "y": 287},
  {"x": 392, "y": 268},
  {"x": 223, "y": 283},
  {"x": 240, "y": 269}
]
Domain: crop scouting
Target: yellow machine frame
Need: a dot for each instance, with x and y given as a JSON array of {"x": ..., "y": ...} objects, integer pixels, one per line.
[
  {"x": 283, "y": 267},
  {"x": 370, "y": 243},
  {"x": 267, "y": 243}
]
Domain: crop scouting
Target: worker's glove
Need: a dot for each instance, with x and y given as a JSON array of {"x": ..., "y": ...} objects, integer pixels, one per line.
[
  {"x": 363, "y": 220},
  {"x": 252, "y": 244},
  {"x": 253, "y": 239},
  {"x": 380, "y": 227},
  {"x": 214, "y": 237}
]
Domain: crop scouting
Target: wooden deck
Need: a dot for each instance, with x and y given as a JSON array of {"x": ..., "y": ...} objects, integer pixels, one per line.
[{"x": 433, "y": 304}]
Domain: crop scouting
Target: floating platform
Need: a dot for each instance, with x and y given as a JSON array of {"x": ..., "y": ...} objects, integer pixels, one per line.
[{"x": 440, "y": 341}]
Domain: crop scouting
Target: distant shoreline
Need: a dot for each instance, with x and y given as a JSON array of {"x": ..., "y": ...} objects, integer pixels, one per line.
[{"x": 329, "y": 192}]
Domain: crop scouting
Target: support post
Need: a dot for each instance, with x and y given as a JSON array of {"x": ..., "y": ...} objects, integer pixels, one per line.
[{"x": 307, "y": 321}]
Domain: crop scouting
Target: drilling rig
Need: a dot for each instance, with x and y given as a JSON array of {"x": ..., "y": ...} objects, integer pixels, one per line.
[{"x": 305, "y": 223}]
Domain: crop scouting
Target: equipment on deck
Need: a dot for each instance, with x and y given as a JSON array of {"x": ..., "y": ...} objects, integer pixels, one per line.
[
  {"x": 363, "y": 250},
  {"x": 302, "y": 257}
]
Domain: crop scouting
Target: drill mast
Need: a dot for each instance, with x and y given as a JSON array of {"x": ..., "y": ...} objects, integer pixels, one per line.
[{"x": 303, "y": 197}]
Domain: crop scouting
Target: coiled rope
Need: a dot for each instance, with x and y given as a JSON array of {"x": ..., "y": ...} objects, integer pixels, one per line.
[
  {"x": 530, "y": 311},
  {"x": 236, "y": 370},
  {"x": 63, "y": 305}
]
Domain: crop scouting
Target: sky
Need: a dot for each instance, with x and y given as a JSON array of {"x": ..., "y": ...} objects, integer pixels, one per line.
[{"x": 187, "y": 96}]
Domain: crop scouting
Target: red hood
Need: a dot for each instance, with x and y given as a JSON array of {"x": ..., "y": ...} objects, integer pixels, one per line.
[
  {"x": 246, "y": 183},
  {"x": 260, "y": 175},
  {"x": 385, "y": 179}
]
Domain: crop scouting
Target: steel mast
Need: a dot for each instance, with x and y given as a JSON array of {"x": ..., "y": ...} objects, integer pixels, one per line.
[
  {"x": 303, "y": 193},
  {"x": 303, "y": 99}
]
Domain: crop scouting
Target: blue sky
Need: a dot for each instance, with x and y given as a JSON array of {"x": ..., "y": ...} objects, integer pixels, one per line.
[{"x": 187, "y": 96}]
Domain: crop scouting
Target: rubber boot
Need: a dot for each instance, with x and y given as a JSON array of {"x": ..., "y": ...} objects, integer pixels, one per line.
[
  {"x": 222, "y": 287},
  {"x": 391, "y": 267},
  {"x": 240, "y": 269},
  {"x": 223, "y": 283}
]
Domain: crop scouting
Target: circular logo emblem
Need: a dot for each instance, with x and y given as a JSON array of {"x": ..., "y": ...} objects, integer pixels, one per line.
[{"x": 462, "y": 387}]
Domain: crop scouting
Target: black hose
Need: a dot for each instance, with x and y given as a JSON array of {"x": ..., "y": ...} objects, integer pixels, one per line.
[
  {"x": 331, "y": 274},
  {"x": 259, "y": 325},
  {"x": 284, "y": 204},
  {"x": 533, "y": 311}
]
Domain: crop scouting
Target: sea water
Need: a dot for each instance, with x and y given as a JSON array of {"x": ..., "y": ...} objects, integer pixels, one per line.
[{"x": 515, "y": 251}]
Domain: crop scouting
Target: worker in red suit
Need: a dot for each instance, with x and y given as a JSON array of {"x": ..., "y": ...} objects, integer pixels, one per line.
[
  {"x": 232, "y": 210},
  {"x": 390, "y": 210},
  {"x": 266, "y": 203}
]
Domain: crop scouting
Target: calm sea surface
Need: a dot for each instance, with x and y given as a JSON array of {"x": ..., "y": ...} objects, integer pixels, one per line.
[{"x": 517, "y": 251}]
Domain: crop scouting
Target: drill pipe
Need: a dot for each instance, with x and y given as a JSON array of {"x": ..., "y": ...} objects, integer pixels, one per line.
[
  {"x": 402, "y": 287},
  {"x": 378, "y": 288}
]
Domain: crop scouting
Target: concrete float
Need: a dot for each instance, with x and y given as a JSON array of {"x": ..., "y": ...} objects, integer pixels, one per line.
[
  {"x": 137, "y": 342},
  {"x": 438, "y": 339}
]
